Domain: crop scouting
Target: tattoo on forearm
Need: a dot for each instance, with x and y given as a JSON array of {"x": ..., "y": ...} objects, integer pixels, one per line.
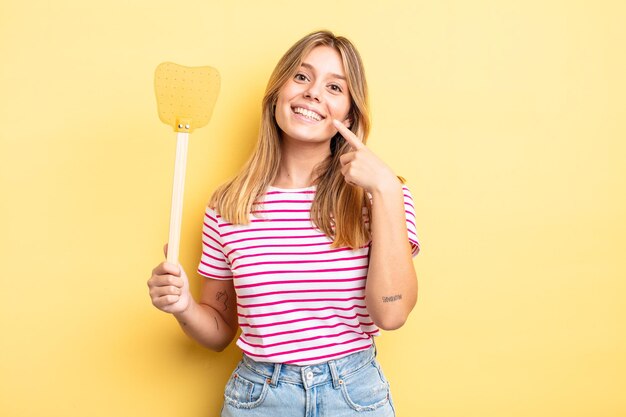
[
  {"x": 222, "y": 297},
  {"x": 392, "y": 298}
]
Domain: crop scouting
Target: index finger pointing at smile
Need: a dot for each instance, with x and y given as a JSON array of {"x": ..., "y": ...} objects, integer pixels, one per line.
[{"x": 347, "y": 134}]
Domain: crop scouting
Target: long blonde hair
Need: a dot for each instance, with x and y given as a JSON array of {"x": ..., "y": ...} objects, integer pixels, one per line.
[{"x": 337, "y": 208}]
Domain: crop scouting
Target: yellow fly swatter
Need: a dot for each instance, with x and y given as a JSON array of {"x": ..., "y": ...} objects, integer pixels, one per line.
[{"x": 185, "y": 100}]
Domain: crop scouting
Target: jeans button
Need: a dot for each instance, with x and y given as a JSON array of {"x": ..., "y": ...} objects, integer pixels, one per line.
[{"x": 309, "y": 375}]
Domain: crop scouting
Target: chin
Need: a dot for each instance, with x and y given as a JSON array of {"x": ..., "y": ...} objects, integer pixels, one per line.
[{"x": 306, "y": 135}]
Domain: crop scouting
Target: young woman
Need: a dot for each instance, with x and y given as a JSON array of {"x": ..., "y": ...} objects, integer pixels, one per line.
[{"x": 307, "y": 250}]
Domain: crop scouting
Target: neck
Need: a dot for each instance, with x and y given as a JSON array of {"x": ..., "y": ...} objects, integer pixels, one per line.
[{"x": 298, "y": 162}]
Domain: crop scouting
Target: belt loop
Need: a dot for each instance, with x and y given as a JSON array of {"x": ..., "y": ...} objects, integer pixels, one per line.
[
  {"x": 274, "y": 381},
  {"x": 333, "y": 371}
]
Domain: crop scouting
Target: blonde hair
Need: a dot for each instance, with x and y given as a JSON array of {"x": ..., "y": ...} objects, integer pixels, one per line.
[{"x": 337, "y": 208}]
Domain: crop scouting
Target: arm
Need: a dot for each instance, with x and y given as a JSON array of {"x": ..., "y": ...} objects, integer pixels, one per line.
[
  {"x": 391, "y": 287},
  {"x": 212, "y": 321}
]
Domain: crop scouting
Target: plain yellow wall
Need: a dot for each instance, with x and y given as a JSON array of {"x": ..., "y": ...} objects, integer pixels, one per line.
[{"x": 506, "y": 117}]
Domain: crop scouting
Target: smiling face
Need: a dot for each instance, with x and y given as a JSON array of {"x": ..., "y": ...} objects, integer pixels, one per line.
[{"x": 313, "y": 97}]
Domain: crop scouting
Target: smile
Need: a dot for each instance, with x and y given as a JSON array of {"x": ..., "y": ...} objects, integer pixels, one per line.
[{"x": 309, "y": 114}]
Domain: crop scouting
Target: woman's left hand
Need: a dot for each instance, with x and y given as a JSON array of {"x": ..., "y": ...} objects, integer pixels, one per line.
[{"x": 361, "y": 166}]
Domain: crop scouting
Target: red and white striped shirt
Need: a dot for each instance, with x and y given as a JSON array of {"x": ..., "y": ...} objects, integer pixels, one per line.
[{"x": 298, "y": 300}]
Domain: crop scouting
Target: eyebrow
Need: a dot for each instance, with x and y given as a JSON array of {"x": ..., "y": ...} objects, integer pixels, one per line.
[{"x": 309, "y": 66}]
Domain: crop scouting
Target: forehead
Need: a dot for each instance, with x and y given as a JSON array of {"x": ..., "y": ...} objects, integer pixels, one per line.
[{"x": 324, "y": 60}]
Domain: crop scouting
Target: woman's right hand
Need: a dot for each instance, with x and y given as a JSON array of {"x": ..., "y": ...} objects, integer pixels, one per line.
[{"x": 169, "y": 287}]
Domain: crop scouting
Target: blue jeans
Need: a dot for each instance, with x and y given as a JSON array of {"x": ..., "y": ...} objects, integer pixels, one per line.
[{"x": 350, "y": 386}]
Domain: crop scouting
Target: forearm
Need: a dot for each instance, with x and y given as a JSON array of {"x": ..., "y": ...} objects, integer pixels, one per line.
[
  {"x": 391, "y": 288},
  {"x": 204, "y": 324}
]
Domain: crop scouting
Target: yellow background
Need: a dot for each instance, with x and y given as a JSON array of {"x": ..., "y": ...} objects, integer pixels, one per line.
[{"x": 506, "y": 117}]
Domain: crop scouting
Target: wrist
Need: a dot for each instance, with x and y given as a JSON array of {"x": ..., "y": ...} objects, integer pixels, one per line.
[
  {"x": 387, "y": 187},
  {"x": 184, "y": 315}
]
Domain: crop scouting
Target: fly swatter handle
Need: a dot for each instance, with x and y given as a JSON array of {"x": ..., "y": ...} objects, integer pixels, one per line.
[{"x": 178, "y": 191}]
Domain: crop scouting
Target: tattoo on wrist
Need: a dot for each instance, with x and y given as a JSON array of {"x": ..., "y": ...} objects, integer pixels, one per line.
[
  {"x": 392, "y": 298},
  {"x": 222, "y": 297}
]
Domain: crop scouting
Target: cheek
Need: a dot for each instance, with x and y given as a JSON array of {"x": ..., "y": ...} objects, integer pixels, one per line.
[
  {"x": 279, "y": 116},
  {"x": 282, "y": 113},
  {"x": 341, "y": 109},
  {"x": 288, "y": 91}
]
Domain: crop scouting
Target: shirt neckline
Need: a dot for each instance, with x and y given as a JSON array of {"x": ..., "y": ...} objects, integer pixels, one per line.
[{"x": 291, "y": 190}]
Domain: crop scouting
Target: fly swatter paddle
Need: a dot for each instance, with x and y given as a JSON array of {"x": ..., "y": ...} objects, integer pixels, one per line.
[{"x": 185, "y": 99}]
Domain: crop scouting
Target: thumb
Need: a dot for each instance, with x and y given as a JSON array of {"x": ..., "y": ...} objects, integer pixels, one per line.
[{"x": 182, "y": 271}]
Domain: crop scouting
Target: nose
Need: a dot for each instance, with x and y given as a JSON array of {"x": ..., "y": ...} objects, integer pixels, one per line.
[{"x": 313, "y": 92}]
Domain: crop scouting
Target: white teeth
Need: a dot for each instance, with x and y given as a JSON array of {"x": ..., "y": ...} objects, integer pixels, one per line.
[{"x": 307, "y": 113}]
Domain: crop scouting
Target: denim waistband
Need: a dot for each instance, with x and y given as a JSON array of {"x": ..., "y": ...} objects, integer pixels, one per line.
[{"x": 312, "y": 375}]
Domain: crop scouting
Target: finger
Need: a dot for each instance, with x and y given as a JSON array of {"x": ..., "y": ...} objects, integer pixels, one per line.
[
  {"x": 161, "y": 269},
  {"x": 347, "y": 173},
  {"x": 346, "y": 158},
  {"x": 159, "y": 285},
  {"x": 347, "y": 134},
  {"x": 169, "y": 268},
  {"x": 165, "y": 300},
  {"x": 157, "y": 292},
  {"x": 165, "y": 280},
  {"x": 348, "y": 178}
]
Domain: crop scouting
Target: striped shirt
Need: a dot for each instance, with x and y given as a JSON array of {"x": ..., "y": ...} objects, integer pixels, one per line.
[{"x": 299, "y": 301}]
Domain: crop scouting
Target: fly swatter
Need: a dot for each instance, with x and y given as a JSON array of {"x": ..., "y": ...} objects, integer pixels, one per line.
[{"x": 185, "y": 99}]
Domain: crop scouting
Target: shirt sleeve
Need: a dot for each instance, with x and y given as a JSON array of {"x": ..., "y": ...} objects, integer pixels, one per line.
[
  {"x": 213, "y": 262},
  {"x": 409, "y": 210}
]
